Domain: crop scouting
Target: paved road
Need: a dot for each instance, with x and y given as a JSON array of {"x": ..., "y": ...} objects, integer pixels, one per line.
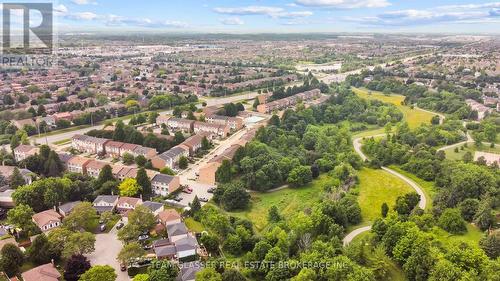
[{"x": 107, "y": 247}]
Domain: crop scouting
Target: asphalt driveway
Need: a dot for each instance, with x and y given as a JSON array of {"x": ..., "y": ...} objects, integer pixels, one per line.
[{"x": 107, "y": 247}]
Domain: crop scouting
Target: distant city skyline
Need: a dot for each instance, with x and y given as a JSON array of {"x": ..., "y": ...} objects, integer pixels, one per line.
[{"x": 279, "y": 16}]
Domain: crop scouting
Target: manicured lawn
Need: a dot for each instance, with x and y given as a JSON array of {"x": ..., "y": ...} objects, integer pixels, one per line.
[
  {"x": 472, "y": 236},
  {"x": 414, "y": 117},
  {"x": 471, "y": 147},
  {"x": 193, "y": 225},
  {"x": 429, "y": 187},
  {"x": 375, "y": 188},
  {"x": 289, "y": 201}
]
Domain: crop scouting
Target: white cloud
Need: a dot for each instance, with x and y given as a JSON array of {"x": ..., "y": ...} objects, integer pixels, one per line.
[
  {"x": 274, "y": 12},
  {"x": 473, "y": 13},
  {"x": 232, "y": 21},
  {"x": 113, "y": 20},
  {"x": 344, "y": 4},
  {"x": 250, "y": 10},
  {"x": 84, "y": 2},
  {"x": 82, "y": 16}
]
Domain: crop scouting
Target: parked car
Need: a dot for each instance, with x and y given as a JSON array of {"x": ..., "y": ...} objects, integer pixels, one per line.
[
  {"x": 148, "y": 247},
  {"x": 187, "y": 190},
  {"x": 211, "y": 190},
  {"x": 120, "y": 225},
  {"x": 102, "y": 227},
  {"x": 178, "y": 199},
  {"x": 143, "y": 237},
  {"x": 123, "y": 267},
  {"x": 203, "y": 199}
]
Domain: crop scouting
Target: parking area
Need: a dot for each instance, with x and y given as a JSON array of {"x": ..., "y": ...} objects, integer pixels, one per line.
[{"x": 107, "y": 247}]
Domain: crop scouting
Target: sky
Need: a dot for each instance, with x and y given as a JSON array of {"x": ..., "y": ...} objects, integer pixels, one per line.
[{"x": 279, "y": 16}]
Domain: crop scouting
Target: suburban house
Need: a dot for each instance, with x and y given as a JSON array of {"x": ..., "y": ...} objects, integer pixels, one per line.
[
  {"x": 120, "y": 172},
  {"x": 234, "y": 123},
  {"x": 169, "y": 216},
  {"x": 162, "y": 119},
  {"x": 186, "y": 246},
  {"x": 169, "y": 158},
  {"x": 212, "y": 129},
  {"x": 176, "y": 231},
  {"x": 128, "y": 148},
  {"x": 193, "y": 143},
  {"x": 64, "y": 157},
  {"x": 207, "y": 172},
  {"x": 163, "y": 185},
  {"x": 126, "y": 204},
  {"x": 45, "y": 272},
  {"x": 179, "y": 124},
  {"x": 23, "y": 151},
  {"x": 7, "y": 171},
  {"x": 147, "y": 152},
  {"x": 105, "y": 203},
  {"x": 78, "y": 164},
  {"x": 88, "y": 144},
  {"x": 155, "y": 207},
  {"x": 164, "y": 249},
  {"x": 94, "y": 168},
  {"x": 66, "y": 208},
  {"x": 6, "y": 200},
  {"x": 113, "y": 148},
  {"x": 47, "y": 220}
]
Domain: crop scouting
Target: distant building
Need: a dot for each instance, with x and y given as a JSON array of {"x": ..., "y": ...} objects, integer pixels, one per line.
[{"x": 125, "y": 204}]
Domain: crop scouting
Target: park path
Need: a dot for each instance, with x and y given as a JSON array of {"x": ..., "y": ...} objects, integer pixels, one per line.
[{"x": 423, "y": 200}]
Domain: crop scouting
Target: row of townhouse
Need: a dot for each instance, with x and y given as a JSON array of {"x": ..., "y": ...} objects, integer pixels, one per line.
[
  {"x": 288, "y": 102},
  {"x": 111, "y": 148},
  {"x": 215, "y": 128},
  {"x": 234, "y": 123},
  {"x": 171, "y": 157},
  {"x": 160, "y": 184}
]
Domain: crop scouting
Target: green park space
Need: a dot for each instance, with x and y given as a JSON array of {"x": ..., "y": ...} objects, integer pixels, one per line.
[
  {"x": 415, "y": 117},
  {"x": 375, "y": 188},
  {"x": 429, "y": 187},
  {"x": 472, "y": 236},
  {"x": 472, "y": 148},
  {"x": 289, "y": 201}
]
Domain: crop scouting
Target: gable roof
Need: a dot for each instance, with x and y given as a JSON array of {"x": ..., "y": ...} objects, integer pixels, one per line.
[
  {"x": 169, "y": 215},
  {"x": 46, "y": 216},
  {"x": 68, "y": 207},
  {"x": 46, "y": 272},
  {"x": 176, "y": 229},
  {"x": 153, "y": 206},
  {"x": 162, "y": 178},
  {"x": 106, "y": 198}
]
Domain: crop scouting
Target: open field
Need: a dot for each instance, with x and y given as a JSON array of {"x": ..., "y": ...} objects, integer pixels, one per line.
[
  {"x": 289, "y": 201},
  {"x": 472, "y": 236},
  {"x": 375, "y": 188},
  {"x": 429, "y": 187},
  {"x": 414, "y": 117},
  {"x": 471, "y": 147}
]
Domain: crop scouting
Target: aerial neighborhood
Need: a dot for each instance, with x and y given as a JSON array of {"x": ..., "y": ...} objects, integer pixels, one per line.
[{"x": 146, "y": 155}]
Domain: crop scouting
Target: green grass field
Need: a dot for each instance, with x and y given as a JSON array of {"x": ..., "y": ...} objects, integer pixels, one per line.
[
  {"x": 289, "y": 201},
  {"x": 471, "y": 147},
  {"x": 375, "y": 188},
  {"x": 414, "y": 117},
  {"x": 193, "y": 225},
  {"x": 428, "y": 186},
  {"x": 472, "y": 236}
]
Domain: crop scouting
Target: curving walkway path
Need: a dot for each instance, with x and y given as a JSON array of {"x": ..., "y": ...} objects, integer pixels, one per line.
[{"x": 421, "y": 204}]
